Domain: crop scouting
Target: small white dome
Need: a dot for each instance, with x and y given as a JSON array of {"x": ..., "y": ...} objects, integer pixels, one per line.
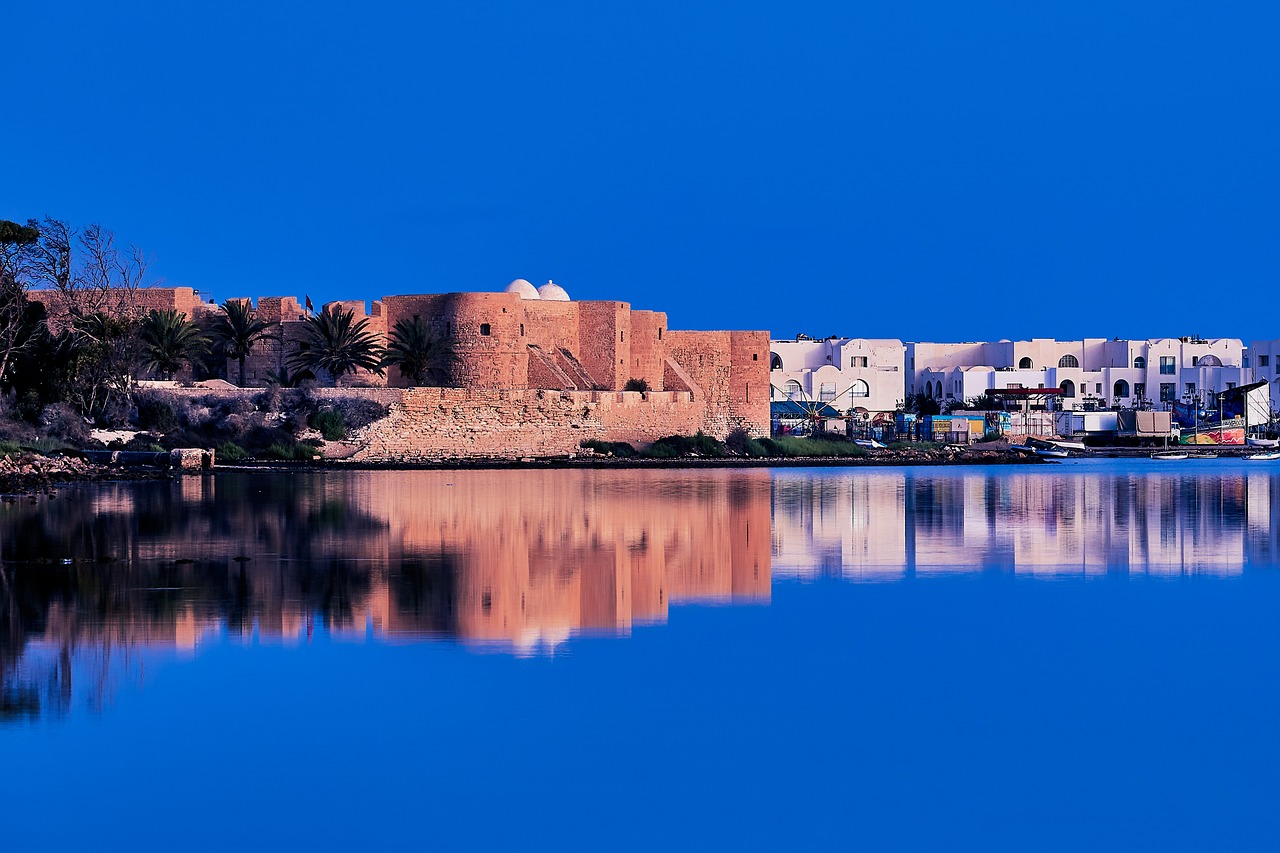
[
  {"x": 524, "y": 288},
  {"x": 553, "y": 292}
]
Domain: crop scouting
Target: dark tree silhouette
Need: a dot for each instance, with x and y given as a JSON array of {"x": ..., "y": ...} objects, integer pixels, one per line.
[
  {"x": 424, "y": 355},
  {"x": 237, "y": 329},
  {"x": 169, "y": 339},
  {"x": 334, "y": 342}
]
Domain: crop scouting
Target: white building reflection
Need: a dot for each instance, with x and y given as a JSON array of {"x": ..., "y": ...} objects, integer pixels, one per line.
[{"x": 1081, "y": 520}]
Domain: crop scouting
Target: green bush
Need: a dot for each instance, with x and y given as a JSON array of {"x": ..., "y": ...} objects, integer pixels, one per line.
[
  {"x": 615, "y": 448},
  {"x": 290, "y": 451},
  {"x": 330, "y": 424},
  {"x": 792, "y": 447},
  {"x": 229, "y": 451},
  {"x": 156, "y": 415},
  {"x": 10, "y": 448},
  {"x": 673, "y": 446},
  {"x": 46, "y": 445}
]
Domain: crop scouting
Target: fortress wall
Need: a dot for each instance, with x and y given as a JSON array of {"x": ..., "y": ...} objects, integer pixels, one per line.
[
  {"x": 551, "y": 325},
  {"x": 429, "y": 424},
  {"x": 267, "y": 356},
  {"x": 434, "y": 423},
  {"x": 647, "y": 348},
  {"x": 498, "y": 359},
  {"x": 749, "y": 381},
  {"x": 603, "y": 340},
  {"x": 732, "y": 369}
]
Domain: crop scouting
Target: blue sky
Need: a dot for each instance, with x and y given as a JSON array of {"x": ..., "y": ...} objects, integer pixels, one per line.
[{"x": 926, "y": 170}]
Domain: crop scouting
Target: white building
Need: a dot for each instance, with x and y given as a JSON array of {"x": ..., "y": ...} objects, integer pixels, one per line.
[
  {"x": 1263, "y": 357},
  {"x": 1091, "y": 373},
  {"x": 848, "y": 373}
]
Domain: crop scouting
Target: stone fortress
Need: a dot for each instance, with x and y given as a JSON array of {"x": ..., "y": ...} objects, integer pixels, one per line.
[{"x": 536, "y": 372}]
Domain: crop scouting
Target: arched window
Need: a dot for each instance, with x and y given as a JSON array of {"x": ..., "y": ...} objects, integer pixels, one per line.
[
  {"x": 1068, "y": 361},
  {"x": 1140, "y": 363},
  {"x": 775, "y": 361},
  {"x": 1209, "y": 361},
  {"x": 1121, "y": 389},
  {"x": 860, "y": 389},
  {"x": 793, "y": 390},
  {"x": 1024, "y": 363},
  {"x": 1068, "y": 388}
]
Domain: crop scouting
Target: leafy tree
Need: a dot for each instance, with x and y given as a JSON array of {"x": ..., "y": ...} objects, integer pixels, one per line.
[
  {"x": 236, "y": 330},
  {"x": 923, "y": 404},
  {"x": 169, "y": 339},
  {"x": 18, "y": 244},
  {"x": 425, "y": 355},
  {"x": 984, "y": 403},
  {"x": 107, "y": 350},
  {"x": 334, "y": 342}
]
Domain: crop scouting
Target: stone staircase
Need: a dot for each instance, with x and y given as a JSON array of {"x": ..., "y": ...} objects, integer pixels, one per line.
[{"x": 570, "y": 365}]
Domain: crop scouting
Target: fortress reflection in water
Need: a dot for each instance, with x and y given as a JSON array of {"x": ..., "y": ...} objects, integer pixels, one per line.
[{"x": 523, "y": 560}]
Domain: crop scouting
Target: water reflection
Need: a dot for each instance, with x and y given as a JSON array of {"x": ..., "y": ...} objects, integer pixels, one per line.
[
  {"x": 520, "y": 561},
  {"x": 517, "y": 561},
  {"x": 1094, "y": 519}
]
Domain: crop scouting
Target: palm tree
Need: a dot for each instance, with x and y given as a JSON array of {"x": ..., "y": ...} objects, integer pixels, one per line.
[
  {"x": 236, "y": 329},
  {"x": 425, "y": 356},
  {"x": 168, "y": 339},
  {"x": 334, "y": 343}
]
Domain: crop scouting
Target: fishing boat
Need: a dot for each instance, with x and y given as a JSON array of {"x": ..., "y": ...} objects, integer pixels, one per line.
[
  {"x": 1051, "y": 453},
  {"x": 1171, "y": 456},
  {"x": 1262, "y": 442},
  {"x": 1207, "y": 454},
  {"x": 1268, "y": 456},
  {"x": 869, "y": 444}
]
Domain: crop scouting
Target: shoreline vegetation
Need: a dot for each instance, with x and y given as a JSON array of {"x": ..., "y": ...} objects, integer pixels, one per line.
[{"x": 27, "y": 469}]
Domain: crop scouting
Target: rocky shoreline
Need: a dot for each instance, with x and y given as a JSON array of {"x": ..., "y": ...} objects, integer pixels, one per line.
[{"x": 31, "y": 474}]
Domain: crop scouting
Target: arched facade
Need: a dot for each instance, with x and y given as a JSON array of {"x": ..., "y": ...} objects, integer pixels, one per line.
[
  {"x": 775, "y": 361},
  {"x": 792, "y": 390},
  {"x": 1024, "y": 363},
  {"x": 1068, "y": 361},
  {"x": 1120, "y": 389},
  {"x": 860, "y": 389},
  {"x": 1139, "y": 363},
  {"x": 1068, "y": 388}
]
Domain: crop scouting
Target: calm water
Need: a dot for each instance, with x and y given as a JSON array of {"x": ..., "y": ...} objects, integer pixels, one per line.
[{"x": 1072, "y": 657}]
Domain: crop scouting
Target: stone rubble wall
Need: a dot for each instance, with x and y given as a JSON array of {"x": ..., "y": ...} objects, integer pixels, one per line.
[
  {"x": 453, "y": 423},
  {"x": 428, "y": 424}
]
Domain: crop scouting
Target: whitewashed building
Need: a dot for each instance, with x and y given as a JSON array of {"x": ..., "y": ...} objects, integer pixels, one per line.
[
  {"x": 1091, "y": 373},
  {"x": 848, "y": 373},
  {"x": 1263, "y": 357}
]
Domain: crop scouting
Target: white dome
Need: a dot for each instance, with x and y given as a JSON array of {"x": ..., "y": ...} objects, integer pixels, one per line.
[
  {"x": 553, "y": 292},
  {"x": 524, "y": 288}
]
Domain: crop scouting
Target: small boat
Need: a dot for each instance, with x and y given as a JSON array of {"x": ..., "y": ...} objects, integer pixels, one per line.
[
  {"x": 1269, "y": 456},
  {"x": 1051, "y": 453},
  {"x": 1208, "y": 454},
  {"x": 1262, "y": 442},
  {"x": 1022, "y": 448},
  {"x": 1171, "y": 456},
  {"x": 869, "y": 443}
]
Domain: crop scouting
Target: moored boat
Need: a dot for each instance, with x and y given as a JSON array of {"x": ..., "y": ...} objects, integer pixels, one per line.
[
  {"x": 1269, "y": 456},
  {"x": 1171, "y": 456},
  {"x": 1262, "y": 442}
]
